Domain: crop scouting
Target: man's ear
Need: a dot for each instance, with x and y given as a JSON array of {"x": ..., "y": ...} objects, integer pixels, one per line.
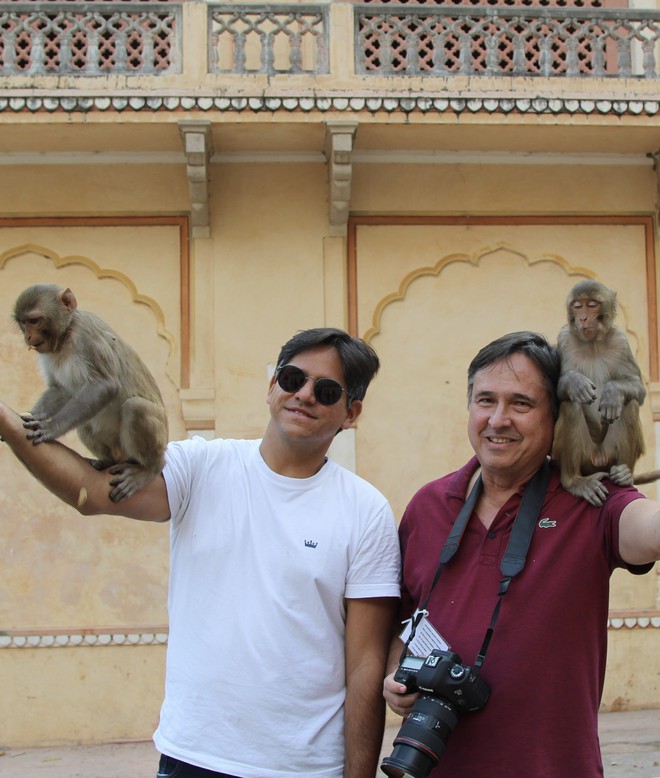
[
  {"x": 352, "y": 412},
  {"x": 271, "y": 385}
]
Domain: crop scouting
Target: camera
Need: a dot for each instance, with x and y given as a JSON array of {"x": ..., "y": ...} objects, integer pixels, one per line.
[{"x": 447, "y": 687}]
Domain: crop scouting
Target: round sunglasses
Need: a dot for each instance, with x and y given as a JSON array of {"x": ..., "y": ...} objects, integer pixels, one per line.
[{"x": 326, "y": 390}]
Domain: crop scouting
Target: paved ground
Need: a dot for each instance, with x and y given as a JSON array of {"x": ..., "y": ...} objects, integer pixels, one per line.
[{"x": 630, "y": 743}]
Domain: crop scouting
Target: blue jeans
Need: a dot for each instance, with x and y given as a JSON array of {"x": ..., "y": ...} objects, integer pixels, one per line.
[{"x": 175, "y": 768}]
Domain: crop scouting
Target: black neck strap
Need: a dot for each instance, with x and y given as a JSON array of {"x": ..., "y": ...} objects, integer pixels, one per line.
[{"x": 515, "y": 556}]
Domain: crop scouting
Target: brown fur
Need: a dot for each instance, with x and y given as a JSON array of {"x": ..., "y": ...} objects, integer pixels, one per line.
[
  {"x": 97, "y": 384},
  {"x": 598, "y": 432}
]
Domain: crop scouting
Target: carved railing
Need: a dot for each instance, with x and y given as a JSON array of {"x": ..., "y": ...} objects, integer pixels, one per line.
[
  {"x": 138, "y": 38},
  {"x": 451, "y": 40},
  {"x": 268, "y": 38},
  {"x": 89, "y": 39}
]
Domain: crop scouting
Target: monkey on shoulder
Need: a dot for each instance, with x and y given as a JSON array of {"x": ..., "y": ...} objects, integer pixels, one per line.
[
  {"x": 95, "y": 383},
  {"x": 598, "y": 433}
]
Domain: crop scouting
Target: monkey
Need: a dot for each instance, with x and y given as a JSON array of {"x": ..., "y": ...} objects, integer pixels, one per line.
[
  {"x": 598, "y": 433},
  {"x": 95, "y": 383}
]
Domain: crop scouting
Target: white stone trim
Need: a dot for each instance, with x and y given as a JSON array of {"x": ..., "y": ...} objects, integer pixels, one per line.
[
  {"x": 84, "y": 638},
  {"x": 154, "y": 636},
  {"x": 554, "y": 106}
]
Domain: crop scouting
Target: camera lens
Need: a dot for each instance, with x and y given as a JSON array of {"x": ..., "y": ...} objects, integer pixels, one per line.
[{"x": 421, "y": 740}]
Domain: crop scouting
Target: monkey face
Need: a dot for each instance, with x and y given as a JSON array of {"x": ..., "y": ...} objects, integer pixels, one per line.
[
  {"x": 586, "y": 314},
  {"x": 36, "y": 333},
  {"x": 44, "y": 314}
]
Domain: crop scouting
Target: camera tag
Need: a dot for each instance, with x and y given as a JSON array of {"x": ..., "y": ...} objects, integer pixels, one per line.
[{"x": 426, "y": 637}]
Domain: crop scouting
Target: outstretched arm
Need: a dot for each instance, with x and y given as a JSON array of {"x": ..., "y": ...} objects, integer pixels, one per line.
[
  {"x": 639, "y": 532},
  {"x": 71, "y": 478}
]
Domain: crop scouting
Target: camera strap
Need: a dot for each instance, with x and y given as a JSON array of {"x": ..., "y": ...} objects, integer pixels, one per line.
[{"x": 515, "y": 555}]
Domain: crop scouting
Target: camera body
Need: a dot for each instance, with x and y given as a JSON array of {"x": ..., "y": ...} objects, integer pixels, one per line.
[
  {"x": 442, "y": 674},
  {"x": 447, "y": 687}
]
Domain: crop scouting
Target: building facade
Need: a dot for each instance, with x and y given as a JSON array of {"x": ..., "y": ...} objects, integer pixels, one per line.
[{"x": 212, "y": 177}]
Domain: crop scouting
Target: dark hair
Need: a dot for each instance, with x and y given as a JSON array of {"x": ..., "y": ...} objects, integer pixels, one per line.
[
  {"x": 359, "y": 361},
  {"x": 532, "y": 345}
]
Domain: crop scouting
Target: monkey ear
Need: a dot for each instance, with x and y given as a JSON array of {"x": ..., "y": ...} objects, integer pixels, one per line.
[{"x": 68, "y": 300}]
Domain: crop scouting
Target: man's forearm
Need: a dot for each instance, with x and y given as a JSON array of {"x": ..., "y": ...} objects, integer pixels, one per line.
[
  {"x": 364, "y": 726},
  {"x": 60, "y": 469}
]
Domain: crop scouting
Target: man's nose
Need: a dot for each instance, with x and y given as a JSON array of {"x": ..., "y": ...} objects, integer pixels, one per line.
[
  {"x": 500, "y": 415},
  {"x": 306, "y": 391}
]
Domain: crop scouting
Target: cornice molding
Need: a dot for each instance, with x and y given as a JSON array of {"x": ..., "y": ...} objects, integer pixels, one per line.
[
  {"x": 424, "y": 104},
  {"x": 84, "y": 638}
]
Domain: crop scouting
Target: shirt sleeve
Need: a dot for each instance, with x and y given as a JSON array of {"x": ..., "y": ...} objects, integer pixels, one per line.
[{"x": 375, "y": 570}]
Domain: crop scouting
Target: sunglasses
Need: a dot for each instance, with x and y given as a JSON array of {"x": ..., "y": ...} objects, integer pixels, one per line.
[{"x": 292, "y": 379}]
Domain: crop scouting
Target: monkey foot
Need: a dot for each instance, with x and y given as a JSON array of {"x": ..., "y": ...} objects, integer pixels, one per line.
[
  {"x": 621, "y": 475},
  {"x": 589, "y": 488}
]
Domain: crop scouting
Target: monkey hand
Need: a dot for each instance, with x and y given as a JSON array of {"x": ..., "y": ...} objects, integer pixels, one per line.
[
  {"x": 40, "y": 430},
  {"x": 611, "y": 403},
  {"x": 576, "y": 387}
]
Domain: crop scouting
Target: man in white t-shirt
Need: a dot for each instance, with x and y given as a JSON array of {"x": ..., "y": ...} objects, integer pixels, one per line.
[{"x": 284, "y": 578}]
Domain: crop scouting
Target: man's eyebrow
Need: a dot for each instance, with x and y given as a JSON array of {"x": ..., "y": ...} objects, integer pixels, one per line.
[{"x": 488, "y": 394}]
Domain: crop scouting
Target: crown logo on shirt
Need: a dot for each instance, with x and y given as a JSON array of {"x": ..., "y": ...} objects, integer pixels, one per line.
[{"x": 311, "y": 544}]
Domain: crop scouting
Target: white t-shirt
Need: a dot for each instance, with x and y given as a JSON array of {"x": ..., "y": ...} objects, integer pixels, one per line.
[{"x": 260, "y": 567}]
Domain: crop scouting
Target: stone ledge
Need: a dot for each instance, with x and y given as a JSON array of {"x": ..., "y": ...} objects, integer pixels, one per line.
[
  {"x": 83, "y": 638},
  {"x": 322, "y": 104}
]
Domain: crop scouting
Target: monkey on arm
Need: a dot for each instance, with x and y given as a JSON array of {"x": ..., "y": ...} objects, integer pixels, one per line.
[
  {"x": 97, "y": 384},
  {"x": 598, "y": 433},
  {"x": 71, "y": 477}
]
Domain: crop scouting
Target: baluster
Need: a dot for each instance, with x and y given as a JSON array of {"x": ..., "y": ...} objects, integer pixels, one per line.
[
  {"x": 648, "y": 59},
  {"x": 267, "y": 52},
  {"x": 624, "y": 56},
  {"x": 386, "y": 53},
  {"x": 9, "y": 54},
  {"x": 465, "y": 55},
  {"x": 598, "y": 57},
  {"x": 240, "y": 57},
  {"x": 412, "y": 50},
  {"x": 121, "y": 51},
  {"x": 492, "y": 55},
  {"x": 65, "y": 52},
  {"x": 439, "y": 57},
  {"x": 148, "y": 53},
  {"x": 572, "y": 59},
  {"x": 295, "y": 51},
  {"x": 545, "y": 57},
  {"x": 36, "y": 53},
  {"x": 519, "y": 60},
  {"x": 93, "y": 53}
]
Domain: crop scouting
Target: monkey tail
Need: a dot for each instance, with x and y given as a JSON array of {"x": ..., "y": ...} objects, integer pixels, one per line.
[{"x": 646, "y": 478}]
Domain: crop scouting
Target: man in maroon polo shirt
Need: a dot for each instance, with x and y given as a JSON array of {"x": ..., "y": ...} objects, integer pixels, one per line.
[{"x": 545, "y": 661}]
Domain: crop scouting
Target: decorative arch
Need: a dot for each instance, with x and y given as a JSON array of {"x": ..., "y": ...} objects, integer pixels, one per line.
[
  {"x": 474, "y": 260},
  {"x": 101, "y": 273},
  {"x": 646, "y": 222},
  {"x": 180, "y": 222}
]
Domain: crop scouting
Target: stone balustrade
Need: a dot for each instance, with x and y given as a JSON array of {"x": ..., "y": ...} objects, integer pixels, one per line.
[{"x": 412, "y": 40}]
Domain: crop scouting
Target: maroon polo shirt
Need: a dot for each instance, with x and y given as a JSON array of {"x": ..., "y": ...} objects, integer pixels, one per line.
[{"x": 546, "y": 661}]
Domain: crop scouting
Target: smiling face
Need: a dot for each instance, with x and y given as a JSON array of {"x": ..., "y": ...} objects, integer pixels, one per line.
[
  {"x": 510, "y": 426},
  {"x": 298, "y": 416}
]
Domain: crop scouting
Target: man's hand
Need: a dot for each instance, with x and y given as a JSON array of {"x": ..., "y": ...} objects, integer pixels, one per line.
[{"x": 397, "y": 696}]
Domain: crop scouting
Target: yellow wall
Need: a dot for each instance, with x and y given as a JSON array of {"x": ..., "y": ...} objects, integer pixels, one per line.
[{"x": 269, "y": 269}]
